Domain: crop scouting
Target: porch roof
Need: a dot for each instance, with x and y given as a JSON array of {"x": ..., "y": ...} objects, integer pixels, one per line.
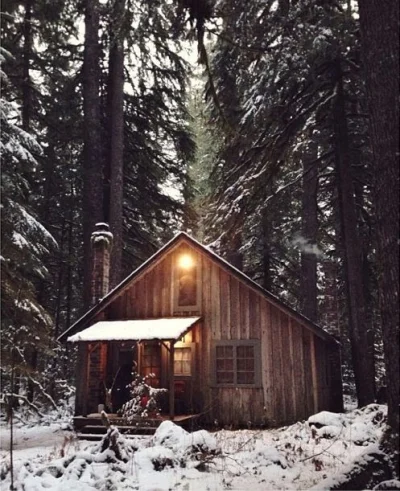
[{"x": 169, "y": 328}]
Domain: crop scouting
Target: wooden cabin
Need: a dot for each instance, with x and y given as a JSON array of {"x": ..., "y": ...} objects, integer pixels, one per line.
[{"x": 223, "y": 346}]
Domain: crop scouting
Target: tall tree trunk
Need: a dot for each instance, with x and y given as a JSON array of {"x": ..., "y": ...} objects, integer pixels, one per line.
[
  {"x": 330, "y": 308},
  {"x": 27, "y": 55},
  {"x": 234, "y": 256},
  {"x": 30, "y": 354},
  {"x": 70, "y": 257},
  {"x": 60, "y": 278},
  {"x": 266, "y": 250},
  {"x": 33, "y": 360},
  {"x": 308, "y": 280},
  {"x": 92, "y": 175},
  {"x": 366, "y": 247},
  {"x": 363, "y": 360},
  {"x": 116, "y": 152},
  {"x": 380, "y": 44}
]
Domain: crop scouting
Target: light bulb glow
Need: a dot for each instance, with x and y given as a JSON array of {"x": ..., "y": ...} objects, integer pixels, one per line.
[{"x": 185, "y": 261}]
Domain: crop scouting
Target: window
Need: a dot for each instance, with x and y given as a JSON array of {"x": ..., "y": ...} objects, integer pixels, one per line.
[
  {"x": 186, "y": 275},
  {"x": 183, "y": 362},
  {"x": 187, "y": 294},
  {"x": 245, "y": 365},
  {"x": 151, "y": 364},
  {"x": 237, "y": 363},
  {"x": 225, "y": 370}
]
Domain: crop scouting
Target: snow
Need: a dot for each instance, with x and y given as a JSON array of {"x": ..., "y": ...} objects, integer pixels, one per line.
[
  {"x": 289, "y": 458},
  {"x": 180, "y": 441},
  {"x": 325, "y": 418},
  {"x": 166, "y": 328},
  {"x": 102, "y": 236},
  {"x": 391, "y": 484}
]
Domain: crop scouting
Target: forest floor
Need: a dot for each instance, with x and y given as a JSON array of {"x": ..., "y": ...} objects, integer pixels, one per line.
[{"x": 313, "y": 454}]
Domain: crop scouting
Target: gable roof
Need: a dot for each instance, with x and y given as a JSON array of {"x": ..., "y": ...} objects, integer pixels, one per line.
[{"x": 184, "y": 237}]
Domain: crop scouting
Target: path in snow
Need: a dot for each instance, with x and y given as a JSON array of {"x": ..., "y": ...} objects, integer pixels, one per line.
[{"x": 39, "y": 436}]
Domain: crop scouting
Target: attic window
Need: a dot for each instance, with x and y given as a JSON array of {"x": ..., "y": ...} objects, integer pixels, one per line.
[
  {"x": 187, "y": 285},
  {"x": 186, "y": 281}
]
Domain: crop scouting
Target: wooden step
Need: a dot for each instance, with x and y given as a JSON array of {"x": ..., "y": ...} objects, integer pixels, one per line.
[
  {"x": 96, "y": 437},
  {"x": 125, "y": 430},
  {"x": 90, "y": 437}
]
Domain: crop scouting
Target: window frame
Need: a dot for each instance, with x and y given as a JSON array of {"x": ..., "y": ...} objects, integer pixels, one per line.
[
  {"x": 235, "y": 343},
  {"x": 175, "y": 281},
  {"x": 192, "y": 346}
]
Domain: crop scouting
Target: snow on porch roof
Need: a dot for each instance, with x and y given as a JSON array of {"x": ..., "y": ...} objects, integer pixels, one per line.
[{"x": 134, "y": 330}]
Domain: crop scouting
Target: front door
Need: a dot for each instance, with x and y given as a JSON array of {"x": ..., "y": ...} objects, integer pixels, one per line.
[
  {"x": 126, "y": 365},
  {"x": 184, "y": 369}
]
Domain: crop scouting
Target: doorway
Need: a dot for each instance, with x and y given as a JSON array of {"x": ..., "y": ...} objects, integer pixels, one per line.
[{"x": 126, "y": 365}]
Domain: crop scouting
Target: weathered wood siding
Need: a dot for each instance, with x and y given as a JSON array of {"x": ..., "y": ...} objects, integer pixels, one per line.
[
  {"x": 295, "y": 380},
  {"x": 97, "y": 358}
]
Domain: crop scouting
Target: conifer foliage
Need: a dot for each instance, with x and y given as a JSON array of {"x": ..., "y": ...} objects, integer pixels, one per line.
[
  {"x": 24, "y": 247},
  {"x": 67, "y": 187},
  {"x": 294, "y": 178},
  {"x": 293, "y": 187}
]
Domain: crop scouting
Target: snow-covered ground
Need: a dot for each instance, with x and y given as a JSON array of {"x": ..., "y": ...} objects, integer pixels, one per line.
[{"x": 306, "y": 455}]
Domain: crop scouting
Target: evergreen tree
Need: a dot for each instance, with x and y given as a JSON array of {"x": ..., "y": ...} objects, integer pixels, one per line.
[
  {"x": 25, "y": 324},
  {"x": 70, "y": 181},
  {"x": 284, "y": 85},
  {"x": 380, "y": 44}
]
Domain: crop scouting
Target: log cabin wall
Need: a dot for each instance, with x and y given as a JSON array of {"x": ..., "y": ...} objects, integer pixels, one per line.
[
  {"x": 294, "y": 375},
  {"x": 97, "y": 359}
]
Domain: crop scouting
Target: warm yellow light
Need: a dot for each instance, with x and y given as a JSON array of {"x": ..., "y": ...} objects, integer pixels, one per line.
[{"x": 185, "y": 261}]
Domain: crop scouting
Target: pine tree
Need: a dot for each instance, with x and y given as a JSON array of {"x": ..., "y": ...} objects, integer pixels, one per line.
[
  {"x": 25, "y": 323},
  {"x": 284, "y": 86}
]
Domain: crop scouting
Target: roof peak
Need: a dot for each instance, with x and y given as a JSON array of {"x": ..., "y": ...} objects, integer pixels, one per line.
[{"x": 83, "y": 321}]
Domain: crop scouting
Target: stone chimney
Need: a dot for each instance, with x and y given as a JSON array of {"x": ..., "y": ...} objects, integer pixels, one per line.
[{"x": 101, "y": 241}]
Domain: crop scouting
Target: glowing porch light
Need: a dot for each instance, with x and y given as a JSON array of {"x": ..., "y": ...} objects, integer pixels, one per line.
[{"x": 185, "y": 261}]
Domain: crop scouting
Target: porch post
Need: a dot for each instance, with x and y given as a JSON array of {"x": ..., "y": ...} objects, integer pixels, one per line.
[
  {"x": 81, "y": 375},
  {"x": 171, "y": 381}
]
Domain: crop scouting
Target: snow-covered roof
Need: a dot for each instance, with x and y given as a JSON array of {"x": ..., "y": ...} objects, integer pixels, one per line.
[
  {"x": 142, "y": 329},
  {"x": 90, "y": 314}
]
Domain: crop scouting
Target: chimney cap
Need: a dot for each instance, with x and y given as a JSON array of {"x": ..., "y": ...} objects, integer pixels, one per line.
[
  {"x": 101, "y": 226},
  {"x": 101, "y": 234}
]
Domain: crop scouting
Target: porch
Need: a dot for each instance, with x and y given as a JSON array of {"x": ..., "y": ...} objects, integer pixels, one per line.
[
  {"x": 91, "y": 427},
  {"x": 160, "y": 351}
]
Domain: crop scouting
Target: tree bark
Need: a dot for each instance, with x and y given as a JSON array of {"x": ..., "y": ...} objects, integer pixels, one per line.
[
  {"x": 60, "y": 278},
  {"x": 380, "y": 45},
  {"x": 308, "y": 279},
  {"x": 116, "y": 152},
  {"x": 234, "y": 256},
  {"x": 27, "y": 54},
  {"x": 329, "y": 310},
  {"x": 266, "y": 250},
  {"x": 363, "y": 362},
  {"x": 92, "y": 171},
  {"x": 70, "y": 258}
]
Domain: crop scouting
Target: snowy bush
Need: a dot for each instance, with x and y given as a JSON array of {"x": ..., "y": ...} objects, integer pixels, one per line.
[
  {"x": 325, "y": 418},
  {"x": 155, "y": 458},
  {"x": 115, "y": 446},
  {"x": 198, "y": 447},
  {"x": 171, "y": 436},
  {"x": 144, "y": 399}
]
